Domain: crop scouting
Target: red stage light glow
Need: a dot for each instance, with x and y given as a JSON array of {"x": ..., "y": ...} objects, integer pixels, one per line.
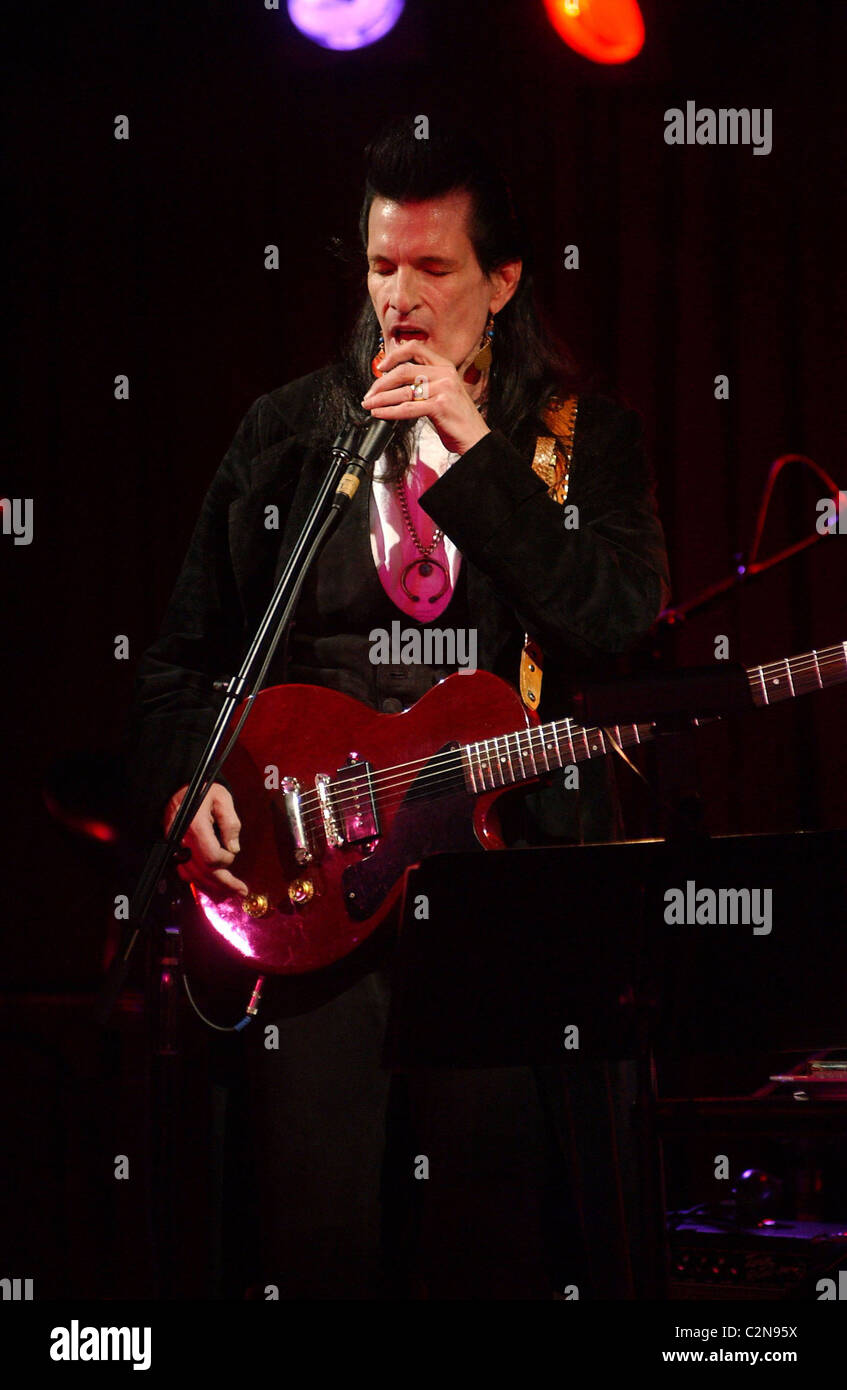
[
  {"x": 606, "y": 31},
  {"x": 86, "y": 825},
  {"x": 223, "y": 917}
]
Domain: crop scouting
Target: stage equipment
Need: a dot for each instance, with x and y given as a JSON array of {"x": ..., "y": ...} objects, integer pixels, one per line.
[
  {"x": 344, "y": 24},
  {"x": 562, "y": 959},
  {"x": 606, "y": 31},
  {"x": 750, "y": 566}
]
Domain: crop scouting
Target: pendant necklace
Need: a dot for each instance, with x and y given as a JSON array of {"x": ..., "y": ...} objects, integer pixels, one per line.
[{"x": 426, "y": 563}]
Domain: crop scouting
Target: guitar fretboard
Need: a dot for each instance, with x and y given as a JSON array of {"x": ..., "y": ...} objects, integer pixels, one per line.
[
  {"x": 527, "y": 753},
  {"x": 798, "y": 675}
]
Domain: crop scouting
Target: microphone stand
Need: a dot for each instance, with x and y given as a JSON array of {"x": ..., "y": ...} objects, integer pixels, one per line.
[
  {"x": 165, "y": 1094},
  {"x": 331, "y": 502},
  {"x": 753, "y": 566}
]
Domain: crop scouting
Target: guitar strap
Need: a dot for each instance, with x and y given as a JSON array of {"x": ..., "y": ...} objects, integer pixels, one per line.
[{"x": 552, "y": 463}]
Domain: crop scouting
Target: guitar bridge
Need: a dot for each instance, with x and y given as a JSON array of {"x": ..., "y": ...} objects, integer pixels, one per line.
[
  {"x": 323, "y": 784},
  {"x": 354, "y": 801}
]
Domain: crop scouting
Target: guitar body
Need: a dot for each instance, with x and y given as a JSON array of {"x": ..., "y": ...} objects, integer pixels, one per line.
[{"x": 395, "y": 793}]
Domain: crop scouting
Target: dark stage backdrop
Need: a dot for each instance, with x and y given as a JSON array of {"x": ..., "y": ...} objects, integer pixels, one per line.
[{"x": 145, "y": 257}]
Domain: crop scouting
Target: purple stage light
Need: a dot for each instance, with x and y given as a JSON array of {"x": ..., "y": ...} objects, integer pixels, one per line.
[{"x": 345, "y": 24}]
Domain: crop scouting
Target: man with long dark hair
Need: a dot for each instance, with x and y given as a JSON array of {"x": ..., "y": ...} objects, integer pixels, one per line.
[{"x": 508, "y": 506}]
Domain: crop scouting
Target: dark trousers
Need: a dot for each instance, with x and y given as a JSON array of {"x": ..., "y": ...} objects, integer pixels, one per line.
[{"x": 347, "y": 1182}]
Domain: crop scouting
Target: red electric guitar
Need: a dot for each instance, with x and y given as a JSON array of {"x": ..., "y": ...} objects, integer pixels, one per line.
[{"x": 337, "y": 801}]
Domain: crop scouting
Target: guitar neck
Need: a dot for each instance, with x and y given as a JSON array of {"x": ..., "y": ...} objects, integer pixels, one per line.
[
  {"x": 797, "y": 675},
  {"x": 529, "y": 753}
]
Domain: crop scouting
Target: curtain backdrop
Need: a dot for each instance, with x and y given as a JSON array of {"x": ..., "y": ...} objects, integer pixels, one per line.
[{"x": 145, "y": 257}]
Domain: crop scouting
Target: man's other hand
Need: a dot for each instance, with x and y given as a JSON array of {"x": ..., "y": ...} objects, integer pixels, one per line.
[{"x": 212, "y": 838}]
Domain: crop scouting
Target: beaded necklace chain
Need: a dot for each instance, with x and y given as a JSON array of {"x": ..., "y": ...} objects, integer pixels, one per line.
[{"x": 425, "y": 564}]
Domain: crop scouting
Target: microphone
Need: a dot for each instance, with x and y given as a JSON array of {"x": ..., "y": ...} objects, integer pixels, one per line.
[
  {"x": 375, "y": 440},
  {"x": 371, "y": 443}
]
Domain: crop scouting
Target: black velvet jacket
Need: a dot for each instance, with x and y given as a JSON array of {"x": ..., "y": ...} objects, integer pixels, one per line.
[{"x": 584, "y": 594}]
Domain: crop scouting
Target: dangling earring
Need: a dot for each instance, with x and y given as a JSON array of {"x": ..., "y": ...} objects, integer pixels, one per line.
[
  {"x": 380, "y": 353},
  {"x": 482, "y": 361}
]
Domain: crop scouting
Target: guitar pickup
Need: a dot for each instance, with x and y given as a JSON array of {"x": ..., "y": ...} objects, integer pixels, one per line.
[
  {"x": 354, "y": 801},
  {"x": 294, "y": 813}
]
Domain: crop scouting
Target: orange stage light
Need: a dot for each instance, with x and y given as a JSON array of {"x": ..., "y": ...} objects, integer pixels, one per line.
[{"x": 606, "y": 31}]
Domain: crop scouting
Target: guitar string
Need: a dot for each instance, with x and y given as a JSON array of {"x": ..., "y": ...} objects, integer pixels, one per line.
[
  {"x": 563, "y": 725},
  {"x": 798, "y": 669},
  {"x": 392, "y": 792},
  {"x": 424, "y": 784},
  {"x": 446, "y": 777},
  {"x": 572, "y": 732},
  {"x": 452, "y": 762},
  {"x": 444, "y": 769},
  {"x": 454, "y": 759}
]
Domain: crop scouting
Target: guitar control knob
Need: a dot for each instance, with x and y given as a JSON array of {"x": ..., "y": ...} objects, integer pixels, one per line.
[
  {"x": 301, "y": 890},
  {"x": 256, "y": 905}
]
